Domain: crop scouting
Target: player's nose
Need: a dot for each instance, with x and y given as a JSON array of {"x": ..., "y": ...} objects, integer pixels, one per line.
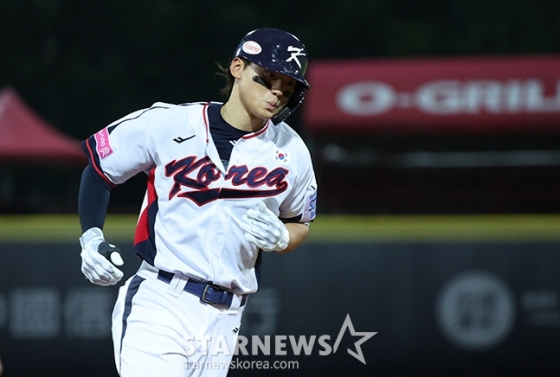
[
  {"x": 276, "y": 84},
  {"x": 277, "y": 87}
]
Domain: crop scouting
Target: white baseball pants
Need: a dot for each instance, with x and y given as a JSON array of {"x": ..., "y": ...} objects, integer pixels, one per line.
[{"x": 161, "y": 330}]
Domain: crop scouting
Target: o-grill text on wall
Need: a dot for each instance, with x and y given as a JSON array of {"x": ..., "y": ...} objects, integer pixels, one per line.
[{"x": 470, "y": 94}]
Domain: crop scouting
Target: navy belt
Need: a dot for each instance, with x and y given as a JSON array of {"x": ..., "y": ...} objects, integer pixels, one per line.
[{"x": 206, "y": 292}]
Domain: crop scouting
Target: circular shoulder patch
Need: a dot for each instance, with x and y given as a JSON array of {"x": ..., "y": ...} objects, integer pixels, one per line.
[{"x": 252, "y": 48}]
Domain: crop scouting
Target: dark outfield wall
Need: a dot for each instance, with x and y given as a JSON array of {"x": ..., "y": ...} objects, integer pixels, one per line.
[{"x": 439, "y": 309}]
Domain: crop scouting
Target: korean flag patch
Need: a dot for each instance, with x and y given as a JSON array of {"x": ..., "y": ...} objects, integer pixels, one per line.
[{"x": 281, "y": 156}]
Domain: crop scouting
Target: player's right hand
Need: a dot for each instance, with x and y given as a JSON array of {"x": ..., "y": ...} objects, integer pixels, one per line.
[{"x": 96, "y": 254}]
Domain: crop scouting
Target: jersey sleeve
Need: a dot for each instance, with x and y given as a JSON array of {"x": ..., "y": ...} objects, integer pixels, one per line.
[
  {"x": 301, "y": 203},
  {"x": 124, "y": 148}
]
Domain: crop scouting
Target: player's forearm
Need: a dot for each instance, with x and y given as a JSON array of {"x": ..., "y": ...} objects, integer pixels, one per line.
[
  {"x": 298, "y": 234},
  {"x": 93, "y": 200}
]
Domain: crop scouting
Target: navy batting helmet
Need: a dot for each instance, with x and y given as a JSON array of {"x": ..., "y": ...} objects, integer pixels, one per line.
[
  {"x": 281, "y": 52},
  {"x": 277, "y": 51}
]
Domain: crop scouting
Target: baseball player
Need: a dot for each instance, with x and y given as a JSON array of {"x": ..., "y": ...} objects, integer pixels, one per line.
[{"x": 225, "y": 183}]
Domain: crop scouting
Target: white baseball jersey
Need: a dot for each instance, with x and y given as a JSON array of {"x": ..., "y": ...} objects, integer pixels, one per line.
[{"x": 191, "y": 215}]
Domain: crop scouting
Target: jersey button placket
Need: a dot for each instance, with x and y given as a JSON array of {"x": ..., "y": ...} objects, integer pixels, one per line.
[{"x": 218, "y": 230}]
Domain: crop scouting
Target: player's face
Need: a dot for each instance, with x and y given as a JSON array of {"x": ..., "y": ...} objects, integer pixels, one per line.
[{"x": 263, "y": 92}]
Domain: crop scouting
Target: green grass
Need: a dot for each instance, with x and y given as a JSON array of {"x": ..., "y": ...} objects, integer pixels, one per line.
[
  {"x": 438, "y": 228},
  {"x": 379, "y": 228},
  {"x": 60, "y": 228}
]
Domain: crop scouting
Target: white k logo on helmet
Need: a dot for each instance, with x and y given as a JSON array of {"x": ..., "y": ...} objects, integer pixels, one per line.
[{"x": 296, "y": 51}]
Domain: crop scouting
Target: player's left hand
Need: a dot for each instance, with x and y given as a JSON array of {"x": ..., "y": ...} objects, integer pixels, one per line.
[{"x": 264, "y": 229}]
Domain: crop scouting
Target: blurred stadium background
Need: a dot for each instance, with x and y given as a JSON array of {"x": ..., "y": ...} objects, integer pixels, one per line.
[{"x": 435, "y": 132}]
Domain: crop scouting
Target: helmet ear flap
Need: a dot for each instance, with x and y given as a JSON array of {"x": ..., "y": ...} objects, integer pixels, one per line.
[{"x": 290, "y": 107}]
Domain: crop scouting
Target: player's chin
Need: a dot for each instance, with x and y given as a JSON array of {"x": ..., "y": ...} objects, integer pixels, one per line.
[
  {"x": 267, "y": 115},
  {"x": 275, "y": 111},
  {"x": 268, "y": 112}
]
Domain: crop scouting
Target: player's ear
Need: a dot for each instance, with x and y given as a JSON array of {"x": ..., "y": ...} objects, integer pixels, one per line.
[{"x": 236, "y": 67}]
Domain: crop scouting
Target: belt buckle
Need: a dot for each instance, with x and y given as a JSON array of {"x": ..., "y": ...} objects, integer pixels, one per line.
[{"x": 205, "y": 292}]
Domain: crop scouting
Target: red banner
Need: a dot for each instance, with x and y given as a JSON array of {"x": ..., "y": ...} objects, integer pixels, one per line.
[{"x": 447, "y": 94}]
